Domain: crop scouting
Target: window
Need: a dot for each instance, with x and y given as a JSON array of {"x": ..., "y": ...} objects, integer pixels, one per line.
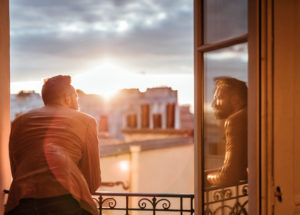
[
  {"x": 170, "y": 115},
  {"x": 145, "y": 115},
  {"x": 156, "y": 120},
  {"x": 131, "y": 121},
  {"x": 221, "y": 89},
  {"x": 103, "y": 126}
]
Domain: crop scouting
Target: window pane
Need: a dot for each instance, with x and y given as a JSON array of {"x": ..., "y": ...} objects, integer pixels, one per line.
[
  {"x": 225, "y": 125},
  {"x": 224, "y": 19}
]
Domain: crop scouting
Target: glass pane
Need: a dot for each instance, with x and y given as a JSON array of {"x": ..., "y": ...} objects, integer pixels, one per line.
[
  {"x": 224, "y": 19},
  {"x": 225, "y": 127}
]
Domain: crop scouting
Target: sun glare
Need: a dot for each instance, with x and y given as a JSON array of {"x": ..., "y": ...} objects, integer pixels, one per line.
[
  {"x": 107, "y": 76},
  {"x": 124, "y": 165}
]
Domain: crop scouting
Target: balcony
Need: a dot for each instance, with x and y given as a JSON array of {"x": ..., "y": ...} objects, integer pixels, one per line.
[
  {"x": 144, "y": 203},
  {"x": 231, "y": 200},
  {"x": 225, "y": 200}
]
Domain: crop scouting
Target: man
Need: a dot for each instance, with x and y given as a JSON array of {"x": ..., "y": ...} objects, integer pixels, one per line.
[
  {"x": 230, "y": 103},
  {"x": 54, "y": 156}
]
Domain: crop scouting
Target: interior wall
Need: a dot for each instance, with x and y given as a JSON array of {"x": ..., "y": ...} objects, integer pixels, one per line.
[
  {"x": 287, "y": 105},
  {"x": 296, "y": 118},
  {"x": 4, "y": 100}
]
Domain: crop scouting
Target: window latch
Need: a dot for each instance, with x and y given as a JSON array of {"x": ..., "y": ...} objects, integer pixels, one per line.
[{"x": 278, "y": 194}]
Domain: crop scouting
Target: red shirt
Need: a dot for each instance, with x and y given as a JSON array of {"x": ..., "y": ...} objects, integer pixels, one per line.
[{"x": 54, "y": 151}]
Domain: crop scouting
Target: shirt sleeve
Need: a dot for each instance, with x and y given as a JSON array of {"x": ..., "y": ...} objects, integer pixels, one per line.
[
  {"x": 90, "y": 162},
  {"x": 235, "y": 161},
  {"x": 12, "y": 144}
]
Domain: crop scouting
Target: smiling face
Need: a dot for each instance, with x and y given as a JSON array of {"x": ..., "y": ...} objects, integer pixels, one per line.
[{"x": 222, "y": 102}]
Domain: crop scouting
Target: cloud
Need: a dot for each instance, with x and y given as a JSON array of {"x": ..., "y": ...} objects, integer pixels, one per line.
[{"x": 53, "y": 36}]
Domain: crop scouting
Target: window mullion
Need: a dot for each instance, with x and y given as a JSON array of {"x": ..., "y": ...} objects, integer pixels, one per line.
[{"x": 223, "y": 44}]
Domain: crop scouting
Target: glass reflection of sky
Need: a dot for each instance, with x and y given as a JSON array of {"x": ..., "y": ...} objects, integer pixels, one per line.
[
  {"x": 231, "y": 61},
  {"x": 224, "y": 19}
]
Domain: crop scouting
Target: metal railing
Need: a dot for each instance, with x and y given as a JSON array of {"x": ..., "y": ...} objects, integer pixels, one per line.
[
  {"x": 226, "y": 200},
  {"x": 145, "y": 203}
]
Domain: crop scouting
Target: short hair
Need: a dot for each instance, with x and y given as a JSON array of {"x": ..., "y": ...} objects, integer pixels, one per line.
[
  {"x": 55, "y": 88},
  {"x": 234, "y": 85}
]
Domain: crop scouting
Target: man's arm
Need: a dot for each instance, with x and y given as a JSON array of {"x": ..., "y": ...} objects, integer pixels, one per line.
[
  {"x": 235, "y": 162},
  {"x": 12, "y": 144},
  {"x": 90, "y": 162}
]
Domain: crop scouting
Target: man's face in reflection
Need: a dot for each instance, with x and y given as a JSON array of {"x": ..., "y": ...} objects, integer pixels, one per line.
[{"x": 222, "y": 102}]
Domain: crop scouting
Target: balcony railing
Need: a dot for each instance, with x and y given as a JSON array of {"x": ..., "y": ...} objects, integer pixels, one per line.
[
  {"x": 231, "y": 200},
  {"x": 145, "y": 203}
]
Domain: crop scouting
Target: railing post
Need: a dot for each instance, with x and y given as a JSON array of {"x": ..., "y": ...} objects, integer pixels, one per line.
[
  {"x": 192, "y": 206},
  {"x": 154, "y": 205},
  {"x": 127, "y": 205},
  {"x": 181, "y": 206},
  {"x": 222, "y": 203},
  {"x": 100, "y": 204},
  {"x": 237, "y": 200}
]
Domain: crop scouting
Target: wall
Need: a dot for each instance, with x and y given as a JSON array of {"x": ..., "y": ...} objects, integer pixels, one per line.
[
  {"x": 167, "y": 170},
  {"x": 4, "y": 99},
  {"x": 113, "y": 168},
  {"x": 287, "y": 105}
]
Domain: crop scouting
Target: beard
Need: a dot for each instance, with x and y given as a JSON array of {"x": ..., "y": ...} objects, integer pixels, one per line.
[
  {"x": 74, "y": 104},
  {"x": 223, "y": 113}
]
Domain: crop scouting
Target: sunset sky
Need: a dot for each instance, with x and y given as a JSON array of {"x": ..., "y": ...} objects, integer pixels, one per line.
[{"x": 106, "y": 45}]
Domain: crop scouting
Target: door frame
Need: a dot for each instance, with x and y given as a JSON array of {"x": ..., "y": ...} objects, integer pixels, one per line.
[{"x": 5, "y": 176}]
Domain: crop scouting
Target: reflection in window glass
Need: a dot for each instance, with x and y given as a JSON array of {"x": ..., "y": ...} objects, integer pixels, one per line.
[
  {"x": 225, "y": 115},
  {"x": 224, "y": 19}
]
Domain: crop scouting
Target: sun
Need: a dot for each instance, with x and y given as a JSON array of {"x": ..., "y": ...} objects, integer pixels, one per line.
[{"x": 105, "y": 79}]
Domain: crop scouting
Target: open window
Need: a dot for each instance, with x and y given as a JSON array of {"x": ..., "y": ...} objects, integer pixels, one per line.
[{"x": 223, "y": 168}]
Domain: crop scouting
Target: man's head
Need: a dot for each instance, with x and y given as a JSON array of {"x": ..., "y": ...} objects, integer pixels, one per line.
[
  {"x": 230, "y": 96},
  {"x": 59, "y": 91}
]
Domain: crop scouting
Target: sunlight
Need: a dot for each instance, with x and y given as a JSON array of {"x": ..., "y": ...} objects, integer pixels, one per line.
[
  {"x": 110, "y": 76},
  {"x": 105, "y": 79},
  {"x": 122, "y": 26},
  {"x": 72, "y": 27},
  {"x": 124, "y": 165},
  {"x": 107, "y": 76}
]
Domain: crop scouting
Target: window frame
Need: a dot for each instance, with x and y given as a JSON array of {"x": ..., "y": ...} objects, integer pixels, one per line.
[{"x": 254, "y": 97}]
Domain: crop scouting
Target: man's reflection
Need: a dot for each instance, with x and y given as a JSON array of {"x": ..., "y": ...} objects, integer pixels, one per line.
[{"x": 230, "y": 104}]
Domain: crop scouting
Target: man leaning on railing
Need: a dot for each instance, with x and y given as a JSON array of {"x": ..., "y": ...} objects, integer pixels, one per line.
[
  {"x": 54, "y": 156},
  {"x": 230, "y": 103}
]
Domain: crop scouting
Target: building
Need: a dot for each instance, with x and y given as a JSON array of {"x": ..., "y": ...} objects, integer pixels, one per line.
[
  {"x": 156, "y": 108},
  {"x": 135, "y": 163},
  {"x": 23, "y": 102},
  {"x": 154, "y": 113},
  {"x": 133, "y": 115}
]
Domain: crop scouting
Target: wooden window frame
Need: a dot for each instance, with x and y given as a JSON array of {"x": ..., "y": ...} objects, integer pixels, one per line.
[{"x": 254, "y": 97}]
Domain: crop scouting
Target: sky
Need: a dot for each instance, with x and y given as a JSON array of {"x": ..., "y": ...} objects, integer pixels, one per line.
[{"x": 106, "y": 45}]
